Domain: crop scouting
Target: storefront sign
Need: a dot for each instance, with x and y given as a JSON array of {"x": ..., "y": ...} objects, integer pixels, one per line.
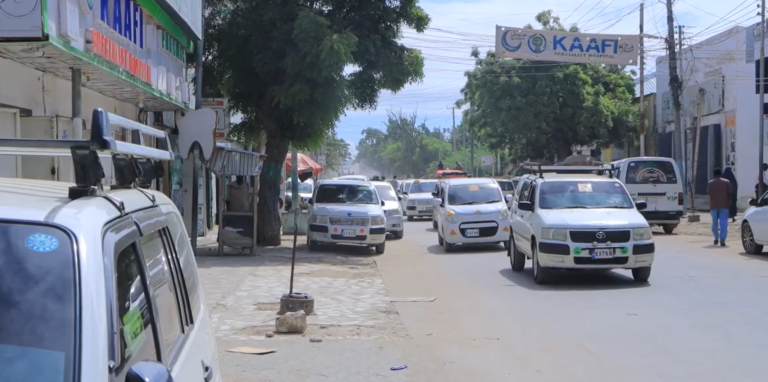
[
  {"x": 730, "y": 119},
  {"x": 219, "y": 105},
  {"x": 189, "y": 10},
  {"x": 172, "y": 46},
  {"x": 125, "y": 17},
  {"x": 108, "y": 49}
]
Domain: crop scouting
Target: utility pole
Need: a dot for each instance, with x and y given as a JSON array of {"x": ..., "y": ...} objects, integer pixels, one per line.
[
  {"x": 453, "y": 132},
  {"x": 674, "y": 82},
  {"x": 642, "y": 81},
  {"x": 761, "y": 187}
]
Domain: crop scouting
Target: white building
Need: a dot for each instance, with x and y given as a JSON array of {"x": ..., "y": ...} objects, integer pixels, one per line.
[{"x": 720, "y": 70}]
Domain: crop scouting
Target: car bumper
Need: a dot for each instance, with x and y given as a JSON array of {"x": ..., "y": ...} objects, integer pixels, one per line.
[
  {"x": 489, "y": 234},
  {"x": 662, "y": 217},
  {"x": 330, "y": 234},
  {"x": 577, "y": 255},
  {"x": 395, "y": 223},
  {"x": 418, "y": 211}
]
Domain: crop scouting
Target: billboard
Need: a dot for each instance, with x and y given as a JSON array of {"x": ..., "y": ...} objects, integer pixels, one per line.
[
  {"x": 189, "y": 10},
  {"x": 21, "y": 19},
  {"x": 544, "y": 45}
]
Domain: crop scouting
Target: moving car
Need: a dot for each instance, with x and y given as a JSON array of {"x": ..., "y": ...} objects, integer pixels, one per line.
[
  {"x": 418, "y": 202},
  {"x": 507, "y": 188},
  {"x": 345, "y": 211},
  {"x": 578, "y": 221},
  {"x": 392, "y": 209},
  {"x": 471, "y": 211},
  {"x": 754, "y": 226},
  {"x": 657, "y": 182},
  {"x": 99, "y": 285},
  {"x": 361, "y": 178}
]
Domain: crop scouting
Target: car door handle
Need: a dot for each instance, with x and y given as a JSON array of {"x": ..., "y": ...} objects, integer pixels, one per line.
[{"x": 207, "y": 372}]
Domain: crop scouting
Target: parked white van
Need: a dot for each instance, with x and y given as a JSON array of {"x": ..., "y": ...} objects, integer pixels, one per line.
[{"x": 656, "y": 181}]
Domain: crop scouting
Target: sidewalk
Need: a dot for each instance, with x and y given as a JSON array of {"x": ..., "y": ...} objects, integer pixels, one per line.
[{"x": 704, "y": 226}]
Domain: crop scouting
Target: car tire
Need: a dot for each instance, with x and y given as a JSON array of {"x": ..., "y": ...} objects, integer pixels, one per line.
[
  {"x": 410, "y": 218},
  {"x": 516, "y": 257},
  {"x": 398, "y": 234},
  {"x": 434, "y": 223},
  {"x": 641, "y": 275},
  {"x": 380, "y": 248},
  {"x": 748, "y": 240},
  {"x": 541, "y": 275},
  {"x": 439, "y": 240},
  {"x": 447, "y": 247},
  {"x": 313, "y": 246},
  {"x": 279, "y": 204},
  {"x": 669, "y": 228},
  {"x": 505, "y": 244}
]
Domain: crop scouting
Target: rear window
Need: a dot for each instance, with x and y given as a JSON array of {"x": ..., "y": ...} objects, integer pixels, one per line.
[
  {"x": 506, "y": 185},
  {"x": 37, "y": 303},
  {"x": 651, "y": 172},
  {"x": 421, "y": 187}
]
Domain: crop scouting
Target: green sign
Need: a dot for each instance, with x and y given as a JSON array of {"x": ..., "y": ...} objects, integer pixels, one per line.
[
  {"x": 672, "y": 198},
  {"x": 133, "y": 331}
]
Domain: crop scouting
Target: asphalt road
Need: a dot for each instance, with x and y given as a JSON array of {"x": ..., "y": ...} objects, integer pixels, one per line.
[{"x": 703, "y": 316}]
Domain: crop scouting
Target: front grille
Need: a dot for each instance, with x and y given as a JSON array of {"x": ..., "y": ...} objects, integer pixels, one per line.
[
  {"x": 353, "y": 238},
  {"x": 590, "y": 261},
  {"x": 484, "y": 231},
  {"x": 592, "y": 236},
  {"x": 363, "y": 222},
  {"x": 424, "y": 202}
]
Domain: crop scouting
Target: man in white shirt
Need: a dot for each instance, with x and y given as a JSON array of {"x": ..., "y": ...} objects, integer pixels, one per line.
[
  {"x": 394, "y": 182},
  {"x": 757, "y": 180}
]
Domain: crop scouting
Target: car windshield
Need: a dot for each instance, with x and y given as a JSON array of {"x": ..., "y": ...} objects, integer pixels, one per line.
[
  {"x": 346, "y": 193},
  {"x": 304, "y": 188},
  {"x": 583, "y": 194},
  {"x": 420, "y": 187},
  {"x": 386, "y": 192},
  {"x": 465, "y": 194},
  {"x": 37, "y": 303},
  {"x": 651, "y": 172},
  {"x": 506, "y": 185}
]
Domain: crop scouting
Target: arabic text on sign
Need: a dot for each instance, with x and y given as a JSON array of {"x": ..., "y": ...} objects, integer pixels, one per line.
[{"x": 105, "y": 47}]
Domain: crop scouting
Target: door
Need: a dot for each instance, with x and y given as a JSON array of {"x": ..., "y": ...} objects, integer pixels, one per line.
[
  {"x": 9, "y": 128},
  {"x": 34, "y": 167},
  {"x": 656, "y": 181},
  {"x": 758, "y": 220},
  {"x": 519, "y": 225}
]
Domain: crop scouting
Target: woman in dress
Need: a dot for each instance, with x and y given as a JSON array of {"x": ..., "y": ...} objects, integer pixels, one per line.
[{"x": 731, "y": 177}]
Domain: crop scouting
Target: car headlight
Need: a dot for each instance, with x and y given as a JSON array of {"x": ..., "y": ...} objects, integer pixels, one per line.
[
  {"x": 556, "y": 234},
  {"x": 504, "y": 214},
  {"x": 394, "y": 212},
  {"x": 642, "y": 234},
  {"x": 318, "y": 219},
  {"x": 378, "y": 220},
  {"x": 450, "y": 217}
]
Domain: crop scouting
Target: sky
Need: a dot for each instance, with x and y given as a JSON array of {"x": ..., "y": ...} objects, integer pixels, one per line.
[{"x": 456, "y": 27}]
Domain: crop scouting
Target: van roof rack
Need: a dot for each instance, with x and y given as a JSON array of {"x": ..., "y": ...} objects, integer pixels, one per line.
[
  {"x": 599, "y": 168},
  {"x": 135, "y": 164}
]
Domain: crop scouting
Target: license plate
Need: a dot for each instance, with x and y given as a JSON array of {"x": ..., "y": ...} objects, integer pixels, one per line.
[
  {"x": 426, "y": 209},
  {"x": 395, "y": 225},
  {"x": 472, "y": 232},
  {"x": 348, "y": 233},
  {"x": 602, "y": 253}
]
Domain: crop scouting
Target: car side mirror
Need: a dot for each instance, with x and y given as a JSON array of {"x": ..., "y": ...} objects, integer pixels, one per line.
[
  {"x": 399, "y": 198},
  {"x": 753, "y": 202},
  {"x": 641, "y": 205},
  {"x": 148, "y": 371},
  {"x": 310, "y": 201},
  {"x": 508, "y": 198},
  {"x": 404, "y": 193},
  {"x": 382, "y": 203},
  {"x": 525, "y": 206}
]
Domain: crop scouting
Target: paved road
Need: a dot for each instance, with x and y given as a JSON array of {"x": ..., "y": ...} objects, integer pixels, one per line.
[{"x": 703, "y": 317}]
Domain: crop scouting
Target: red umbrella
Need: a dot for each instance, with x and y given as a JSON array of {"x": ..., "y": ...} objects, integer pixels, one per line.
[{"x": 307, "y": 167}]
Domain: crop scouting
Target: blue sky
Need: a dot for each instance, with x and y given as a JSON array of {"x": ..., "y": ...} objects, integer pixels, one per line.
[{"x": 458, "y": 26}]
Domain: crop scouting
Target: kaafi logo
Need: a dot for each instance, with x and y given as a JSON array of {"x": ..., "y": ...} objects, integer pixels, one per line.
[
  {"x": 86, "y": 6},
  {"x": 537, "y": 43},
  {"x": 512, "y": 41}
]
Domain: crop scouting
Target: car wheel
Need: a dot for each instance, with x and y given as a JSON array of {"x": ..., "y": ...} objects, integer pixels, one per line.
[
  {"x": 279, "y": 204},
  {"x": 434, "y": 223},
  {"x": 516, "y": 257},
  {"x": 380, "y": 248},
  {"x": 540, "y": 274},
  {"x": 399, "y": 234},
  {"x": 505, "y": 244},
  {"x": 447, "y": 247},
  {"x": 410, "y": 218},
  {"x": 641, "y": 275},
  {"x": 748, "y": 240},
  {"x": 313, "y": 246},
  {"x": 669, "y": 228},
  {"x": 439, "y": 240}
]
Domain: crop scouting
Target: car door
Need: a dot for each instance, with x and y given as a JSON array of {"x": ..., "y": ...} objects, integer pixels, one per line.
[
  {"x": 519, "y": 223},
  {"x": 758, "y": 220}
]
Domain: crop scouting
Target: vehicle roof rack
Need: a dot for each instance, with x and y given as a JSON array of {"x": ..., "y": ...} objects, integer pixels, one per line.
[
  {"x": 134, "y": 163},
  {"x": 599, "y": 168}
]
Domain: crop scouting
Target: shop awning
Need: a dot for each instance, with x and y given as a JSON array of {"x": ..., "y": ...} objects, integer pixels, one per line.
[
  {"x": 307, "y": 167},
  {"x": 228, "y": 161}
]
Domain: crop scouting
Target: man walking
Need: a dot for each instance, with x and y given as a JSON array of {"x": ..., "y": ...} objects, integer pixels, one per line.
[
  {"x": 719, "y": 191},
  {"x": 394, "y": 182}
]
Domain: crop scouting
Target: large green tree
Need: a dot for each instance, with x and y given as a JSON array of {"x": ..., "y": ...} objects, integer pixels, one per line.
[
  {"x": 336, "y": 152},
  {"x": 292, "y": 68},
  {"x": 539, "y": 109}
]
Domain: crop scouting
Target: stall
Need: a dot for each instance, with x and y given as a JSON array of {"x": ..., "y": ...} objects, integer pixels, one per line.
[
  {"x": 237, "y": 227},
  {"x": 306, "y": 169}
]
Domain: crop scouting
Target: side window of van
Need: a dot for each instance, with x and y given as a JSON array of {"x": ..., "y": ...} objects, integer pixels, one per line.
[
  {"x": 525, "y": 191},
  {"x": 180, "y": 240}
]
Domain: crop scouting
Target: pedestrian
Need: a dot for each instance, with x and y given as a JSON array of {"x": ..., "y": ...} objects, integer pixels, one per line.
[
  {"x": 440, "y": 165},
  {"x": 764, "y": 167},
  {"x": 383, "y": 178},
  {"x": 394, "y": 182},
  {"x": 719, "y": 191},
  {"x": 731, "y": 177}
]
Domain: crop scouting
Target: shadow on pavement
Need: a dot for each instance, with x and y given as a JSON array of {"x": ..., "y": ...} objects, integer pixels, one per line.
[
  {"x": 761, "y": 257},
  {"x": 465, "y": 250},
  {"x": 574, "y": 280}
]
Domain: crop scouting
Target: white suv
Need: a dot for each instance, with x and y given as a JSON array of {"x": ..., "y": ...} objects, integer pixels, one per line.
[
  {"x": 471, "y": 211},
  {"x": 392, "y": 209},
  {"x": 418, "y": 202},
  {"x": 344, "y": 211},
  {"x": 578, "y": 221},
  {"x": 99, "y": 285}
]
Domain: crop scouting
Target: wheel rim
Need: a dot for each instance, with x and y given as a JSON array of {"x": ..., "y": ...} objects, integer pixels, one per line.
[{"x": 746, "y": 237}]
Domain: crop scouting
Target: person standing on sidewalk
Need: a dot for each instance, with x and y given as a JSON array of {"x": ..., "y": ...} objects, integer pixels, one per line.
[
  {"x": 731, "y": 177},
  {"x": 719, "y": 191},
  {"x": 764, "y": 169}
]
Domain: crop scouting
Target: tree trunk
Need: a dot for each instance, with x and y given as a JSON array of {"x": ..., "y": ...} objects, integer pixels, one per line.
[{"x": 269, "y": 190}]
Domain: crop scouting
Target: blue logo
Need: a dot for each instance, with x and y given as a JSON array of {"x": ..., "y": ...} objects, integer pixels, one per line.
[
  {"x": 349, "y": 214},
  {"x": 41, "y": 243},
  {"x": 537, "y": 43},
  {"x": 509, "y": 38}
]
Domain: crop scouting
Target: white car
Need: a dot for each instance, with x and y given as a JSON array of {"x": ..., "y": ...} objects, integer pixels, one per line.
[
  {"x": 754, "y": 226},
  {"x": 99, "y": 285},
  {"x": 471, "y": 211},
  {"x": 578, "y": 221},
  {"x": 418, "y": 203},
  {"x": 392, "y": 209},
  {"x": 361, "y": 178},
  {"x": 346, "y": 212},
  {"x": 305, "y": 193}
]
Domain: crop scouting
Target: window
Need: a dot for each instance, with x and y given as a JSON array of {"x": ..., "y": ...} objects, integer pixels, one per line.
[
  {"x": 187, "y": 262},
  {"x": 506, "y": 185},
  {"x": 386, "y": 192},
  {"x": 134, "y": 313},
  {"x": 524, "y": 191},
  {"x": 651, "y": 172},
  {"x": 422, "y": 187},
  {"x": 466, "y": 194},
  {"x": 346, "y": 194},
  {"x": 584, "y": 194},
  {"x": 37, "y": 303},
  {"x": 164, "y": 291}
]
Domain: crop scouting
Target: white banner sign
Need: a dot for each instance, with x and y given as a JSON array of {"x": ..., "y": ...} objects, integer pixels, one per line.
[
  {"x": 486, "y": 161},
  {"x": 543, "y": 45}
]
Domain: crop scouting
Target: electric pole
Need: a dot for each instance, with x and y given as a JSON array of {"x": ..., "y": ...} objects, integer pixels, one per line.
[
  {"x": 761, "y": 187},
  {"x": 674, "y": 82},
  {"x": 642, "y": 82},
  {"x": 453, "y": 133}
]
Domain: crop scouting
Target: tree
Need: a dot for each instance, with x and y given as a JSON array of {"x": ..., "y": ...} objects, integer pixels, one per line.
[
  {"x": 336, "y": 152},
  {"x": 537, "y": 109},
  {"x": 291, "y": 68}
]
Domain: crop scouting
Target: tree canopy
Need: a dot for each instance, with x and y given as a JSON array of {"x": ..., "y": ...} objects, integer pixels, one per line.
[
  {"x": 535, "y": 109},
  {"x": 336, "y": 152},
  {"x": 292, "y": 68}
]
